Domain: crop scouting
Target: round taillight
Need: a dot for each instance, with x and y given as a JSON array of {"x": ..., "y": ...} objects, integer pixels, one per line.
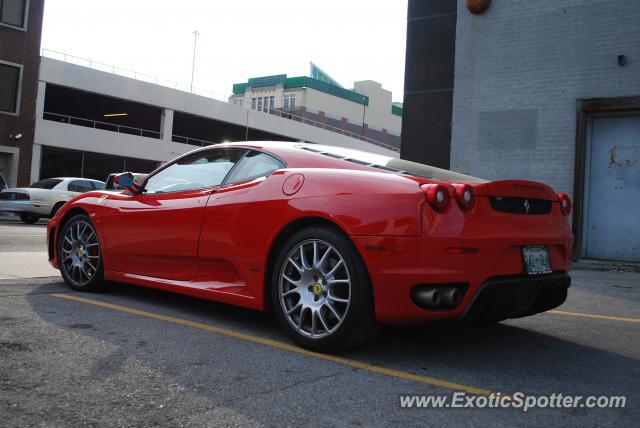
[
  {"x": 465, "y": 196},
  {"x": 437, "y": 196},
  {"x": 565, "y": 203}
]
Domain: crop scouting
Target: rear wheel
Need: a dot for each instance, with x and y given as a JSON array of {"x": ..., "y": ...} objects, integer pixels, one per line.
[
  {"x": 29, "y": 218},
  {"x": 79, "y": 255},
  {"x": 321, "y": 292},
  {"x": 55, "y": 209}
]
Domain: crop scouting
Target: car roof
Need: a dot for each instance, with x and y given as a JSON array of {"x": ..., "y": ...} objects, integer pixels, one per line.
[{"x": 300, "y": 154}]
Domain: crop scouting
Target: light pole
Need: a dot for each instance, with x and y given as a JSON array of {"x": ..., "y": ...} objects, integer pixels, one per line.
[{"x": 193, "y": 64}]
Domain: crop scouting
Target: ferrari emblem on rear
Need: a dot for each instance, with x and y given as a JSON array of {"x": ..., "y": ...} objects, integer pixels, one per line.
[{"x": 526, "y": 206}]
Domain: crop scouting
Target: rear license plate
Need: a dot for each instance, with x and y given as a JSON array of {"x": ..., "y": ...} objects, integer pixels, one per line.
[{"x": 536, "y": 259}]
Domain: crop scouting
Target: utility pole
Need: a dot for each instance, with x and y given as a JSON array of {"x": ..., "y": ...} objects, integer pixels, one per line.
[{"x": 193, "y": 64}]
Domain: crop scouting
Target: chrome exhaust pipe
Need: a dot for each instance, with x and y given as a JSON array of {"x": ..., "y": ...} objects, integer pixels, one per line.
[
  {"x": 428, "y": 296},
  {"x": 451, "y": 296}
]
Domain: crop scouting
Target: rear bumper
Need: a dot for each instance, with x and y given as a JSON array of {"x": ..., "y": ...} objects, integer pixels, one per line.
[
  {"x": 30, "y": 207},
  {"x": 398, "y": 264},
  {"x": 518, "y": 296}
]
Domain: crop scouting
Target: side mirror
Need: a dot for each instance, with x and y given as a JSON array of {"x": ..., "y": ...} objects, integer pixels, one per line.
[{"x": 126, "y": 180}]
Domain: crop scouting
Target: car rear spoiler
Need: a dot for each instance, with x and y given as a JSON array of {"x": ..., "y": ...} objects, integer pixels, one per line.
[{"x": 516, "y": 188}]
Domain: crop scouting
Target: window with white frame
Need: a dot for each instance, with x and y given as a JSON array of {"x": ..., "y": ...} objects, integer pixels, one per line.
[
  {"x": 263, "y": 103},
  {"x": 13, "y": 12},
  {"x": 289, "y": 101},
  {"x": 9, "y": 87}
]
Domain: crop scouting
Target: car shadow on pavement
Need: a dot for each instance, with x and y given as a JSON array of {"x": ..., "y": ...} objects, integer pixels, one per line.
[{"x": 506, "y": 357}]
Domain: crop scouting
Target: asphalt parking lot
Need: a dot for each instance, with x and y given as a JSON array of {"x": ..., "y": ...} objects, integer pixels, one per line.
[{"x": 133, "y": 356}]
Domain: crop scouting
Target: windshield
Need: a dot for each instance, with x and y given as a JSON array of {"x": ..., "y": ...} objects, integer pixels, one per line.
[
  {"x": 390, "y": 164},
  {"x": 48, "y": 183}
]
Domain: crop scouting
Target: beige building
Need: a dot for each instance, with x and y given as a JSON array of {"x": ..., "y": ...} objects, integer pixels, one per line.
[{"x": 367, "y": 110}]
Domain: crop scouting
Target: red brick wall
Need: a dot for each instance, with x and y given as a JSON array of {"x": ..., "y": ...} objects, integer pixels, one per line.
[{"x": 22, "y": 47}]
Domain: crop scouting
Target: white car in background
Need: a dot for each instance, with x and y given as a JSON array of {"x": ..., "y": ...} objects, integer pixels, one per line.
[{"x": 44, "y": 198}]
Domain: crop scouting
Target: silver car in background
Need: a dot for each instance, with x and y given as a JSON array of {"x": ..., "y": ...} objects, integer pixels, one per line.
[{"x": 44, "y": 198}]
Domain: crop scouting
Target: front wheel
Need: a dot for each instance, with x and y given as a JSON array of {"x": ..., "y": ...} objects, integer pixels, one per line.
[
  {"x": 321, "y": 293},
  {"x": 79, "y": 255},
  {"x": 29, "y": 218}
]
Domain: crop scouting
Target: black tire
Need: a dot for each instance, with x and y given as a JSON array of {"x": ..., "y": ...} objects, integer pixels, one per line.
[
  {"x": 29, "y": 218},
  {"x": 358, "y": 323},
  {"x": 56, "y": 208},
  {"x": 74, "y": 279}
]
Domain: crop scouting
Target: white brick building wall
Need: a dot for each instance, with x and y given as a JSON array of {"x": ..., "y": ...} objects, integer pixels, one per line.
[{"x": 520, "y": 69}]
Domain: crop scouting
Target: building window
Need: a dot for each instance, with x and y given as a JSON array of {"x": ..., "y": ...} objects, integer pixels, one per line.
[
  {"x": 12, "y": 12},
  {"x": 9, "y": 87},
  {"x": 272, "y": 101},
  {"x": 260, "y": 103},
  {"x": 253, "y": 103},
  {"x": 289, "y": 101}
]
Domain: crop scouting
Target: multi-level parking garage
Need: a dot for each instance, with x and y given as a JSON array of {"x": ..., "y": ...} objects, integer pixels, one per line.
[{"x": 90, "y": 123}]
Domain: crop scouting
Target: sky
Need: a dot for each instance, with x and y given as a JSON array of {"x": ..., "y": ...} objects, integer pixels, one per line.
[{"x": 349, "y": 39}]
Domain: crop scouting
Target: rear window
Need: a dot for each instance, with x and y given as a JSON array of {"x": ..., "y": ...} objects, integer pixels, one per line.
[
  {"x": 253, "y": 165},
  {"x": 48, "y": 183}
]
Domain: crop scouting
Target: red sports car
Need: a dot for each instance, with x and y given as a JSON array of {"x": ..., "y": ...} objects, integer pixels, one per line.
[{"x": 334, "y": 241}]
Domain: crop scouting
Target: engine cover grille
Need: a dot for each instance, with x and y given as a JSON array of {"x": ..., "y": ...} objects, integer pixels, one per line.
[{"x": 508, "y": 204}]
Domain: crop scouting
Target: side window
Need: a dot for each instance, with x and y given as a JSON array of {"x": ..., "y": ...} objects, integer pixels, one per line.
[
  {"x": 197, "y": 171},
  {"x": 253, "y": 165},
  {"x": 80, "y": 186},
  {"x": 9, "y": 87},
  {"x": 12, "y": 12},
  {"x": 97, "y": 185}
]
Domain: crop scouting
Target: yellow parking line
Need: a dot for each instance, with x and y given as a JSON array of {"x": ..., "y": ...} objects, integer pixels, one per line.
[
  {"x": 286, "y": 347},
  {"x": 602, "y": 317}
]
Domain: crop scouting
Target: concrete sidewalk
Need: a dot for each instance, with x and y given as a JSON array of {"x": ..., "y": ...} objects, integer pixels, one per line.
[{"x": 25, "y": 264}]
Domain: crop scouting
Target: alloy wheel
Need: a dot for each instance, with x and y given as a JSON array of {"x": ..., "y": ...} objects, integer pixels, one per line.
[
  {"x": 80, "y": 253},
  {"x": 314, "y": 288}
]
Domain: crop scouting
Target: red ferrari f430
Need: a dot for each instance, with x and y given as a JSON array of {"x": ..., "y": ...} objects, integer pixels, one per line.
[{"x": 333, "y": 241}]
